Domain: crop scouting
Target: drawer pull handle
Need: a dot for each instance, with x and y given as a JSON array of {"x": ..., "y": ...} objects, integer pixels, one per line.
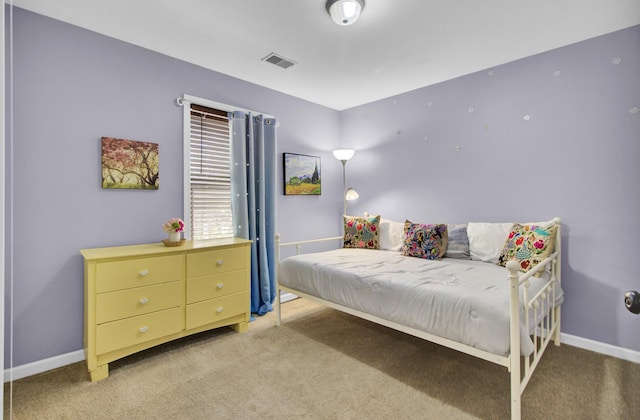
[
  {"x": 143, "y": 329},
  {"x": 144, "y": 301},
  {"x": 220, "y": 285},
  {"x": 144, "y": 272},
  {"x": 220, "y": 309},
  {"x": 220, "y": 261}
]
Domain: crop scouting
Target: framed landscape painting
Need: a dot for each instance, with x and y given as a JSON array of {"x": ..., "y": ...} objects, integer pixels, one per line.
[
  {"x": 301, "y": 174},
  {"x": 129, "y": 164}
]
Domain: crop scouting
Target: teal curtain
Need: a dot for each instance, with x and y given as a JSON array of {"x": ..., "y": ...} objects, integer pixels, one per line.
[{"x": 253, "y": 172}]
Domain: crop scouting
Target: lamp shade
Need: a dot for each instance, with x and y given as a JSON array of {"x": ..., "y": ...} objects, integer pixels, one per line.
[
  {"x": 344, "y": 12},
  {"x": 351, "y": 194},
  {"x": 343, "y": 154}
]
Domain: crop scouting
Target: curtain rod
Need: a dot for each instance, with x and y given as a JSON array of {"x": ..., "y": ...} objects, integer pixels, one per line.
[{"x": 217, "y": 105}]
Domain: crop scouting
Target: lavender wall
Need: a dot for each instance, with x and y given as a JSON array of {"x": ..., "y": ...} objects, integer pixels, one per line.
[
  {"x": 482, "y": 148},
  {"x": 70, "y": 88}
]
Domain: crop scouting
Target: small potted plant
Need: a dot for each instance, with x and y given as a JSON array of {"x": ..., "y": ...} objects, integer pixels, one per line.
[{"x": 173, "y": 227}]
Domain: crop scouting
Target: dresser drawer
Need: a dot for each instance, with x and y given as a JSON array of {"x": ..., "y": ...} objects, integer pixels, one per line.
[
  {"x": 215, "y": 310},
  {"x": 209, "y": 287},
  {"x": 120, "y": 304},
  {"x": 131, "y": 331},
  {"x": 200, "y": 264},
  {"x": 118, "y": 275}
]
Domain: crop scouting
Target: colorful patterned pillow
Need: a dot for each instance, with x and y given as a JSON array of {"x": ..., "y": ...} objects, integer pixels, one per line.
[
  {"x": 528, "y": 244},
  {"x": 424, "y": 241},
  {"x": 361, "y": 232}
]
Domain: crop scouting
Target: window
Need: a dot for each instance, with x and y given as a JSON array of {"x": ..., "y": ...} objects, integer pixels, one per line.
[{"x": 209, "y": 163}]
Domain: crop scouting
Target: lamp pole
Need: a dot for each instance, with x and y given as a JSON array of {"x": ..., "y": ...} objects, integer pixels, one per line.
[
  {"x": 343, "y": 155},
  {"x": 344, "y": 186}
]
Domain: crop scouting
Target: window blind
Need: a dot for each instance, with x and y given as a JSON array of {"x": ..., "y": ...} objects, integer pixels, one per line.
[{"x": 210, "y": 173}]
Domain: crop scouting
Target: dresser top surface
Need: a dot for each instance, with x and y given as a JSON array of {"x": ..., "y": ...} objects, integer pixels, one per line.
[{"x": 159, "y": 248}]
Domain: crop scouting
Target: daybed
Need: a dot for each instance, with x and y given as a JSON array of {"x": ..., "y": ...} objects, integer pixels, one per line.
[{"x": 444, "y": 283}]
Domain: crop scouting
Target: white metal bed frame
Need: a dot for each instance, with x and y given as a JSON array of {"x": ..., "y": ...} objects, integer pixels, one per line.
[{"x": 540, "y": 316}]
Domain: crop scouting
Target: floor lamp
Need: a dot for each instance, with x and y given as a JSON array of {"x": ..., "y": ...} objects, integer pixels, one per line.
[{"x": 343, "y": 155}]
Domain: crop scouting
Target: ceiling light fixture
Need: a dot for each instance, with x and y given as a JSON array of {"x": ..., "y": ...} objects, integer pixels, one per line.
[{"x": 344, "y": 12}]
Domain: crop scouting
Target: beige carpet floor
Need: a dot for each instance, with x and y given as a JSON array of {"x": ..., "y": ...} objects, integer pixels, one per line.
[{"x": 323, "y": 364}]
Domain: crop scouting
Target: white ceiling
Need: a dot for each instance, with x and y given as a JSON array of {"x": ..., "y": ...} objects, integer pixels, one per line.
[{"x": 395, "y": 47}]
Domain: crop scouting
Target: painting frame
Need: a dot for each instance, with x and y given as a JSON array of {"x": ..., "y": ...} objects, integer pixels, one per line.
[
  {"x": 302, "y": 174},
  {"x": 130, "y": 164}
]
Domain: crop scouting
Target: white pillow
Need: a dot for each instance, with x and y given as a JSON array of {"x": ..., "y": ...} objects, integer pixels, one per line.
[
  {"x": 541, "y": 224},
  {"x": 486, "y": 240},
  {"x": 391, "y": 235}
]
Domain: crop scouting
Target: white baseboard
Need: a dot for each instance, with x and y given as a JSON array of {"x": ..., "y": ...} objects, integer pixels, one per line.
[
  {"x": 44, "y": 365},
  {"x": 599, "y": 347},
  {"x": 22, "y": 371}
]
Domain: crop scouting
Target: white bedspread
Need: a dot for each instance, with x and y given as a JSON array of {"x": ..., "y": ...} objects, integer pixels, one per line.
[{"x": 462, "y": 300}]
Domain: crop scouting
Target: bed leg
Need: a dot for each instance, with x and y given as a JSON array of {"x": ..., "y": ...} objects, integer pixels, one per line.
[
  {"x": 278, "y": 291},
  {"x": 278, "y": 308},
  {"x": 515, "y": 404},
  {"x": 556, "y": 335},
  {"x": 514, "y": 358},
  {"x": 516, "y": 394}
]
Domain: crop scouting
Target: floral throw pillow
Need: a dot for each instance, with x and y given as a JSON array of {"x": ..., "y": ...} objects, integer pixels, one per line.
[
  {"x": 528, "y": 244},
  {"x": 361, "y": 232},
  {"x": 424, "y": 241}
]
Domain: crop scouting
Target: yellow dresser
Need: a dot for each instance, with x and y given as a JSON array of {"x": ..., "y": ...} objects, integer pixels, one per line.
[{"x": 139, "y": 296}]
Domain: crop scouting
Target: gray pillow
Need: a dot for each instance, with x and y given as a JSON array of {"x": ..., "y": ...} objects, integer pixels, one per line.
[{"x": 458, "y": 245}]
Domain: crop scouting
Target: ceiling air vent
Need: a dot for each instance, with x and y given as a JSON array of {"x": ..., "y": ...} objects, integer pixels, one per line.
[{"x": 278, "y": 60}]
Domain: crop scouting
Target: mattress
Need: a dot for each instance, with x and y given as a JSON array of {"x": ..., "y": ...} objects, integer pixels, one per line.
[{"x": 462, "y": 300}]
